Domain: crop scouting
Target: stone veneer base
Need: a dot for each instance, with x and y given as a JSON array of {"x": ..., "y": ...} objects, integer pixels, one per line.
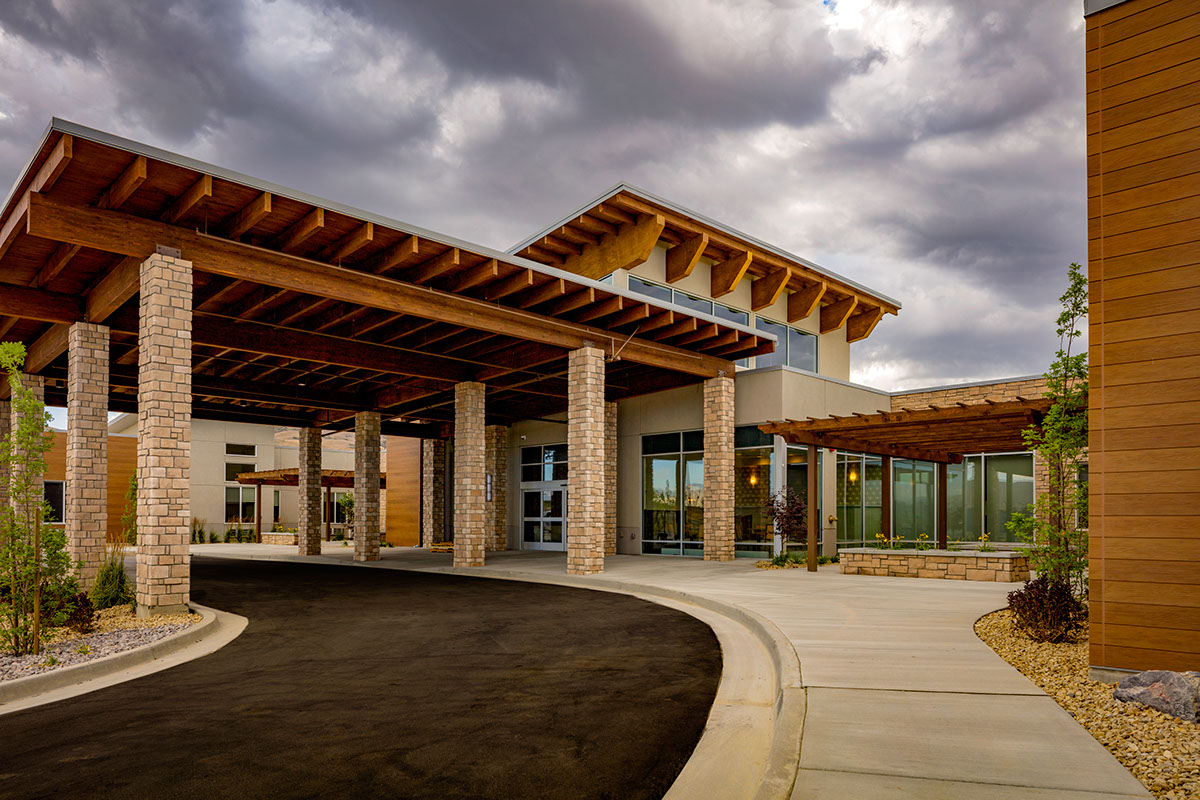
[
  {"x": 280, "y": 538},
  {"x": 1001, "y": 566}
]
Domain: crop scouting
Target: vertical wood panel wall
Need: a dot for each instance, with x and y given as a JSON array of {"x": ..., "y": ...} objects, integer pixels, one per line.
[
  {"x": 403, "y": 526},
  {"x": 1143, "y": 157},
  {"x": 122, "y": 461}
]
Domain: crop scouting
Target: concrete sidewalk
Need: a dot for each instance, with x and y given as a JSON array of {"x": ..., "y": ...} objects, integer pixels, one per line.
[{"x": 903, "y": 700}]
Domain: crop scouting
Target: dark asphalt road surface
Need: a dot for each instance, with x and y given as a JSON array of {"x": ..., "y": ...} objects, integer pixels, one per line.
[{"x": 381, "y": 683}]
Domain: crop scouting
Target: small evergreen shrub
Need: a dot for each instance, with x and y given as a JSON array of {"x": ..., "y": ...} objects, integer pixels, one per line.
[
  {"x": 1046, "y": 610},
  {"x": 112, "y": 585}
]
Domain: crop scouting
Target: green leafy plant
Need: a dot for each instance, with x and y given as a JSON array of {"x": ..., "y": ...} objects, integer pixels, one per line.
[
  {"x": 1046, "y": 610},
  {"x": 1051, "y": 533},
  {"x": 985, "y": 544},
  {"x": 789, "y": 558},
  {"x": 50, "y": 661},
  {"x": 213, "y": 538},
  {"x": 112, "y": 586},
  {"x": 923, "y": 542},
  {"x": 35, "y": 569},
  {"x": 129, "y": 516},
  {"x": 346, "y": 504},
  {"x": 83, "y": 650},
  {"x": 199, "y": 530}
]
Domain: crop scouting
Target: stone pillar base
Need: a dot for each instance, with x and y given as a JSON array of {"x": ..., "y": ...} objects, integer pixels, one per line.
[{"x": 146, "y": 612}]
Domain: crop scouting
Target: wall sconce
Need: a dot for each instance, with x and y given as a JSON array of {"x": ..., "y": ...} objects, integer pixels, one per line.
[
  {"x": 753, "y": 479},
  {"x": 853, "y": 476}
]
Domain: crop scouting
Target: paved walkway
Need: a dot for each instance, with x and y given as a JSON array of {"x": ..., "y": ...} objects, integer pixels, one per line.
[
  {"x": 373, "y": 683},
  {"x": 903, "y": 700}
]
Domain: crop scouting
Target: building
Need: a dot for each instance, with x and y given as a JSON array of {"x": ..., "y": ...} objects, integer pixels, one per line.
[
  {"x": 601, "y": 388},
  {"x": 1143, "y": 164}
]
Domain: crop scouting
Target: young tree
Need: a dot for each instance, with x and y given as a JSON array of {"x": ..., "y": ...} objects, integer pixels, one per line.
[
  {"x": 35, "y": 570},
  {"x": 788, "y": 510},
  {"x": 1054, "y": 539}
]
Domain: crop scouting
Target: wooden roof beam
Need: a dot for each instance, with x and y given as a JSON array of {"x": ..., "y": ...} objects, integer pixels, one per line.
[
  {"x": 630, "y": 246},
  {"x": 300, "y": 232},
  {"x": 802, "y": 303},
  {"x": 729, "y": 273},
  {"x": 860, "y": 325},
  {"x": 517, "y": 282},
  {"x": 683, "y": 257},
  {"x": 398, "y": 255},
  {"x": 349, "y": 244},
  {"x": 834, "y": 315},
  {"x": 196, "y": 194},
  {"x": 766, "y": 290},
  {"x": 39, "y": 304},
  {"x": 134, "y": 236},
  {"x": 438, "y": 265},
  {"x": 540, "y": 294},
  {"x": 639, "y": 312},
  {"x": 574, "y": 300},
  {"x": 47, "y": 175},
  {"x": 602, "y": 308},
  {"x": 472, "y": 277},
  {"x": 249, "y": 216}
]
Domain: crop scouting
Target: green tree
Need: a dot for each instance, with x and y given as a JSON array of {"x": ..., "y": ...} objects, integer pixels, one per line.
[
  {"x": 35, "y": 569},
  {"x": 129, "y": 516},
  {"x": 1054, "y": 539}
]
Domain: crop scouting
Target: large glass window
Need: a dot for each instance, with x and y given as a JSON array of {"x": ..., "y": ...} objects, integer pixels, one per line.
[
  {"x": 233, "y": 449},
  {"x": 544, "y": 463},
  {"x": 797, "y": 481},
  {"x": 54, "y": 494},
  {"x": 753, "y": 533},
  {"x": 652, "y": 290},
  {"x": 1008, "y": 489},
  {"x": 793, "y": 347},
  {"x": 239, "y": 504},
  {"x": 673, "y": 493},
  {"x": 914, "y": 500},
  {"x": 964, "y": 496},
  {"x": 859, "y": 493}
]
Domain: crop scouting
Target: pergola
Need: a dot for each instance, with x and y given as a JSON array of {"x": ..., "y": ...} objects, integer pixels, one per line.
[
  {"x": 941, "y": 434},
  {"x": 145, "y": 281},
  {"x": 330, "y": 479}
]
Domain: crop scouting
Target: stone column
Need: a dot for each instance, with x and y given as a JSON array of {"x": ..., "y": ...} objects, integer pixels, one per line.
[
  {"x": 86, "y": 486},
  {"x": 610, "y": 479},
  {"x": 366, "y": 486},
  {"x": 164, "y": 435},
  {"x": 470, "y": 468},
  {"x": 585, "y": 461},
  {"x": 309, "y": 503},
  {"x": 433, "y": 491},
  {"x": 496, "y": 437},
  {"x": 718, "y": 468}
]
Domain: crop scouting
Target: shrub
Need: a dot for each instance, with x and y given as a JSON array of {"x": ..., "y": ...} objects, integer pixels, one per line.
[
  {"x": 1047, "y": 610},
  {"x": 81, "y": 617},
  {"x": 213, "y": 538},
  {"x": 199, "y": 531},
  {"x": 112, "y": 585}
]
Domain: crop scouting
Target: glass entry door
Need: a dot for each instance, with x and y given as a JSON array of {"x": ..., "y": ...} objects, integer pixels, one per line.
[{"x": 544, "y": 516}]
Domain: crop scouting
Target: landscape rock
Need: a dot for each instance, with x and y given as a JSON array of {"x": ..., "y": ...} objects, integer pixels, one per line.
[{"x": 1174, "y": 693}]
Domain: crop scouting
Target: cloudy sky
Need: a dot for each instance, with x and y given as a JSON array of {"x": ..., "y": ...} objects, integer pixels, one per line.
[{"x": 932, "y": 149}]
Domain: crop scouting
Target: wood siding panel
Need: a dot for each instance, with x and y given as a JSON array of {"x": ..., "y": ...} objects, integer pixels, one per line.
[
  {"x": 1144, "y": 333},
  {"x": 403, "y": 523},
  {"x": 122, "y": 461}
]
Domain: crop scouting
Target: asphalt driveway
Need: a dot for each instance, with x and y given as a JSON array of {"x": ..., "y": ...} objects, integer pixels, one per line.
[{"x": 380, "y": 683}]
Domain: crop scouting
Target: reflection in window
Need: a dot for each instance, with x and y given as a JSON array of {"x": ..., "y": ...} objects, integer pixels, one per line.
[
  {"x": 673, "y": 493},
  {"x": 753, "y": 532}
]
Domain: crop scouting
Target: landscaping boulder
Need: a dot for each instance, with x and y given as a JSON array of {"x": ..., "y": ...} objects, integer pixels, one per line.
[{"x": 1174, "y": 693}]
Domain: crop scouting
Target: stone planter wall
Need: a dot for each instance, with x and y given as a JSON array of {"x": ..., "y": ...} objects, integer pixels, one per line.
[
  {"x": 1004, "y": 566},
  {"x": 279, "y": 538}
]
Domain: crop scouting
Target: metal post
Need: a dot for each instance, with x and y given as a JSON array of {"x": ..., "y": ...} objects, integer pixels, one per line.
[
  {"x": 258, "y": 513},
  {"x": 885, "y": 477},
  {"x": 942, "y": 502},
  {"x": 812, "y": 508}
]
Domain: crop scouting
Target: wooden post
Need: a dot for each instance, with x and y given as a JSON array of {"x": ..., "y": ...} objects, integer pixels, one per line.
[
  {"x": 885, "y": 478},
  {"x": 813, "y": 522},
  {"x": 328, "y": 513},
  {"x": 258, "y": 513},
  {"x": 943, "y": 504}
]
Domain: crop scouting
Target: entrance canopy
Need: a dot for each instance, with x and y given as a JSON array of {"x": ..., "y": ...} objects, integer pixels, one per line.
[
  {"x": 942, "y": 434},
  {"x": 334, "y": 478},
  {"x": 306, "y": 311}
]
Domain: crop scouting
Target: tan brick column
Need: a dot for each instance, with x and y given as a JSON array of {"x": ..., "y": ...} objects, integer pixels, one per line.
[
  {"x": 164, "y": 435},
  {"x": 585, "y": 461},
  {"x": 718, "y": 468},
  {"x": 610, "y": 479},
  {"x": 470, "y": 468},
  {"x": 433, "y": 491},
  {"x": 366, "y": 486},
  {"x": 86, "y": 485},
  {"x": 309, "y": 501},
  {"x": 496, "y": 437}
]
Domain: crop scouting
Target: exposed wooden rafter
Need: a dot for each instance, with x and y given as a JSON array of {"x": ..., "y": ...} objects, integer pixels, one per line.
[
  {"x": 729, "y": 273},
  {"x": 834, "y": 315},
  {"x": 630, "y": 246}
]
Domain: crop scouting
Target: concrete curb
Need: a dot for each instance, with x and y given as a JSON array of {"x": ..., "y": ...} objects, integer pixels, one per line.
[
  {"x": 214, "y": 631},
  {"x": 782, "y": 762}
]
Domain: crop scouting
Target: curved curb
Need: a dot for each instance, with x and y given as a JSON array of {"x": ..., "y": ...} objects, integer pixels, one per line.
[
  {"x": 782, "y": 761},
  {"x": 215, "y": 630}
]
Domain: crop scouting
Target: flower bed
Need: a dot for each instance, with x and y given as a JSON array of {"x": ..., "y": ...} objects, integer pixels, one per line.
[
  {"x": 1003, "y": 566},
  {"x": 279, "y": 538}
]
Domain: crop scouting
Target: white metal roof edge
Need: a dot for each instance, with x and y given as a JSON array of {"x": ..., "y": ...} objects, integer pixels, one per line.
[
  {"x": 701, "y": 218},
  {"x": 139, "y": 148}
]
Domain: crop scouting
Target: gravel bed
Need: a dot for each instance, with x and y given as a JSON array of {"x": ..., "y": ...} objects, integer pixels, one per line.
[
  {"x": 1162, "y": 752},
  {"x": 117, "y": 630}
]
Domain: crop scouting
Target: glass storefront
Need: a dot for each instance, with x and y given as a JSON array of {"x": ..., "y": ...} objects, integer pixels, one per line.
[
  {"x": 673, "y": 494},
  {"x": 544, "y": 497},
  {"x": 859, "y": 495}
]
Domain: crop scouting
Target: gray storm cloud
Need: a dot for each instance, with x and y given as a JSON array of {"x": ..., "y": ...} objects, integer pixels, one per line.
[{"x": 932, "y": 150}]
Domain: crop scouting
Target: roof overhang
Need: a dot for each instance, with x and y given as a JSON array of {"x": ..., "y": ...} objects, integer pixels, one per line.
[
  {"x": 943, "y": 434},
  {"x": 305, "y": 310},
  {"x": 331, "y": 478}
]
